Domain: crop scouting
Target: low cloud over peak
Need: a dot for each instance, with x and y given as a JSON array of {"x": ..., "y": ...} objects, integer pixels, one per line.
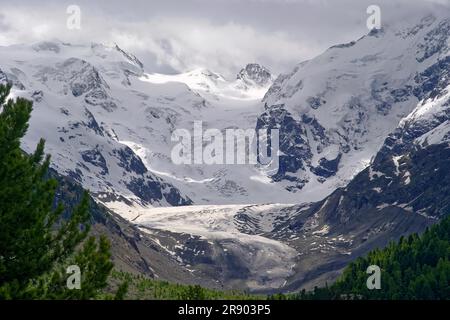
[{"x": 171, "y": 36}]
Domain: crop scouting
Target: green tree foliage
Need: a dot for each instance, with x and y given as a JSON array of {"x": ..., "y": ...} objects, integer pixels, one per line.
[
  {"x": 36, "y": 243},
  {"x": 415, "y": 268},
  {"x": 142, "y": 288}
]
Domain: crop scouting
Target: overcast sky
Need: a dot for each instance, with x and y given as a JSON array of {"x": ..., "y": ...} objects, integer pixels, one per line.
[{"x": 222, "y": 35}]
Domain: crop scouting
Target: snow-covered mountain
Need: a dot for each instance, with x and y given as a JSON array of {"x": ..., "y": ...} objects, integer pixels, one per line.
[
  {"x": 251, "y": 83},
  {"x": 401, "y": 142},
  {"x": 335, "y": 110},
  {"x": 79, "y": 94},
  {"x": 402, "y": 190},
  {"x": 108, "y": 123},
  {"x": 364, "y": 133}
]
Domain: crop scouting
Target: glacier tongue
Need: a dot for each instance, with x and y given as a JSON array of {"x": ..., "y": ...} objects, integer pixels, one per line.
[{"x": 268, "y": 263}]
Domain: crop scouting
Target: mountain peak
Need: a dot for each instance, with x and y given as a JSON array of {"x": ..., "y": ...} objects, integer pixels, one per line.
[
  {"x": 132, "y": 58},
  {"x": 50, "y": 46},
  {"x": 205, "y": 73},
  {"x": 255, "y": 74}
]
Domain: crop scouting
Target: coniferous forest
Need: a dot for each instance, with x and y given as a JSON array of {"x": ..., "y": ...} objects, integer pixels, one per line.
[{"x": 416, "y": 267}]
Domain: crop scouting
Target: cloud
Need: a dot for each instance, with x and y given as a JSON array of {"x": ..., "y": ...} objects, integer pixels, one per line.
[
  {"x": 222, "y": 35},
  {"x": 177, "y": 41},
  {"x": 187, "y": 44}
]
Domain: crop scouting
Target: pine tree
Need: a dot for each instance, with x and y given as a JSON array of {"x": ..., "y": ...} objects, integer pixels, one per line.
[{"x": 36, "y": 243}]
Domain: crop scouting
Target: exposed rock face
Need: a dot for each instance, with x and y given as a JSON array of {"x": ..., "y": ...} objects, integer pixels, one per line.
[
  {"x": 255, "y": 74},
  {"x": 295, "y": 151}
]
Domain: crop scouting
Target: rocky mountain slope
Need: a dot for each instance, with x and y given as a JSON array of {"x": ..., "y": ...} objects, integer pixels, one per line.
[{"x": 132, "y": 251}]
